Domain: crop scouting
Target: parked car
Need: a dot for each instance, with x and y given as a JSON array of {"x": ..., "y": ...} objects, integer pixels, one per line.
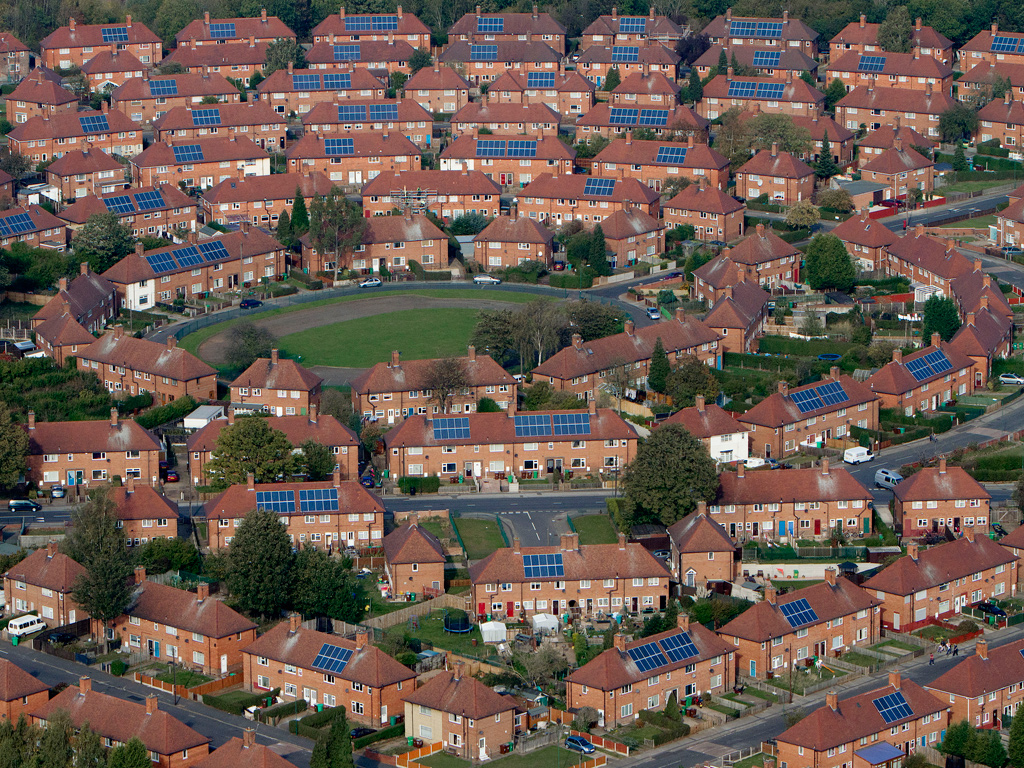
[
  {"x": 358, "y": 733},
  {"x": 172, "y": 476},
  {"x": 23, "y": 505},
  {"x": 579, "y": 744},
  {"x": 25, "y": 625},
  {"x": 558, "y": 266},
  {"x": 1011, "y": 378},
  {"x": 662, "y": 554},
  {"x": 886, "y": 478},
  {"x": 251, "y": 303},
  {"x": 857, "y": 455},
  {"x": 1012, "y": 250},
  {"x": 990, "y": 609},
  {"x": 754, "y": 462},
  {"x": 57, "y": 492},
  {"x": 370, "y": 282},
  {"x": 486, "y": 280},
  {"x": 654, "y": 313},
  {"x": 773, "y": 464},
  {"x": 60, "y": 638}
]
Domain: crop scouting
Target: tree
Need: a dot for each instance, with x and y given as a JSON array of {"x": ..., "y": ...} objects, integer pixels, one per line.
[
  {"x": 333, "y": 749},
  {"x": 173, "y": 15},
  {"x": 895, "y": 34},
  {"x": 131, "y": 754},
  {"x": 671, "y": 472},
  {"x": 280, "y": 53},
  {"x": 672, "y": 707},
  {"x": 835, "y": 91},
  {"x": 959, "y": 739},
  {"x": 767, "y": 129},
  {"x": 542, "y": 665},
  {"x": 812, "y": 326},
  {"x": 317, "y": 461},
  {"x": 300, "y": 216},
  {"x": 160, "y": 555},
  {"x": 803, "y": 214},
  {"x": 958, "y": 123},
  {"x": 445, "y": 378},
  {"x": 17, "y": 165},
  {"x": 247, "y": 343},
  {"x": 103, "y": 241},
  {"x": 284, "y": 229},
  {"x": 808, "y": 78},
  {"x": 468, "y": 224},
  {"x": 723, "y": 62},
  {"x": 335, "y": 225},
  {"x": 825, "y": 166},
  {"x": 695, "y": 89},
  {"x": 835, "y": 200},
  {"x": 420, "y": 58},
  {"x": 657, "y": 375},
  {"x": 592, "y": 320},
  {"x": 89, "y": 749},
  {"x": 325, "y": 587},
  {"x": 989, "y": 749},
  {"x": 55, "y": 746},
  {"x": 827, "y": 264},
  {"x": 940, "y": 316},
  {"x": 13, "y": 448},
  {"x": 260, "y": 557},
  {"x": 250, "y": 446},
  {"x": 959, "y": 159},
  {"x": 541, "y": 322},
  {"x": 337, "y": 404},
  {"x": 688, "y": 379},
  {"x": 612, "y": 80},
  {"x": 1015, "y": 748},
  {"x": 487, "y": 405},
  {"x": 598, "y": 259}
]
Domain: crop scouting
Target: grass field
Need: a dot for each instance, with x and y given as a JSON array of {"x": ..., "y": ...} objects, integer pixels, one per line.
[
  {"x": 481, "y": 537},
  {"x": 185, "y": 677},
  {"x": 977, "y": 223},
  {"x": 444, "y": 760},
  {"x": 548, "y": 756},
  {"x": 595, "y": 529},
  {"x": 361, "y": 343},
  {"x": 972, "y": 186}
]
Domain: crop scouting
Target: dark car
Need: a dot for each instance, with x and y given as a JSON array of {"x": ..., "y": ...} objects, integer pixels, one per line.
[
  {"x": 990, "y": 609},
  {"x": 23, "y": 505},
  {"x": 367, "y": 481},
  {"x": 172, "y": 476},
  {"x": 60, "y": 638},
  {"x": 358, "y": 733},
  {"x": 998, "y": 529},
  {"x": 251, "y": 303}
]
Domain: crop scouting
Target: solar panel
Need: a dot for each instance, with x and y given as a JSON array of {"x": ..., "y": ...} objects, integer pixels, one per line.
[
  {"x": 571, "y": 423},
  {"x": 600, "y": 187},
  {"x": 318, "y": 500},
  {"x": 212, "y": 251},
  {"x": 456, "y": 428},
  {"x": 205, "y": 117},
  {"x": 1001, "y": 44},
  {"x": 357, "y": 24},
  {"x": 115, "y": 35},
  {"x": 648, "y": 657},
  {"x": 371, "y": 23},
  {"x": 807, "y": 400},
  {"x": 490, "y": 148},
  {"x": 188, "y": 256},
  {"x": 276, "y": 501},
  {"x": 893, "y": 707},
  {"x": 633, "y": 25},
  {"x": 871, "y": 64},
  {"x": 119, "y": 204},
  {"x": 351, "y": 112},
  {"x": 621, "y": 116},
  {"x": 767, "y": 58},
  {"x": 770, "y": 91},
  {"x": 148, "y": 201},
  {"x": 768, "y": 29},
  {"x": 742, "y": 90},
  {"x": 522, "y": 148},
  {"x": 540, "y": 80},
  {"x": 938, "y": 361},
  {"x": 163, "y": 87},
  {"x": 94, "y": 123},
  {"x": 798, "y": 613},
  {"x": 339, "y": 147},
  {"x": 653, "y": 117},
  {"x": 222, "y": 30},
  {"x": 16, "y": 224},
  {"x": 625, "y": 54},
  {"x": 331, "y": 658},
  {"x": 384, "y": 23},
  {"x": 162, "y": 262},
  {"x": 742, "y": 28},
  {"x": 533, "y": 425},
  {"x": 483, "y": 52},
  {"x": 671, "y": 155},
  {"x": 543, "y": 566},
  {"x": 337, "y": 81},
  {"x": 306, "y": 82},
  {"x": 382, "y": 112},
  {"x": 187, "y": 153},
  {"x": 679, "y": 647},
  {"x": 346, "y": 53},
  {"x": 490, "y": 24}
]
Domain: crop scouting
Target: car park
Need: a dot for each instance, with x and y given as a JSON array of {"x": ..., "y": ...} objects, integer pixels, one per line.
[
  {"x": 23, "y": 505},
  {"x": 579, "y": 744},
  {"x": 486, "y": 280},
  {"x": 1011, "y": 378},
  {"x": 251, "y": 303},
  {"x": 370, "y": 282},
  {"x": 654, "y": 313}
]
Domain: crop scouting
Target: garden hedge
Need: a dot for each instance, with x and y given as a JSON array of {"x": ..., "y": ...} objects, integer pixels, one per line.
[
  {"x": 281, "y": 710},
  {"x": 239, "y": 707},
  {"x": 391, "y": 732},
  {"x": 413, "y": 485}
]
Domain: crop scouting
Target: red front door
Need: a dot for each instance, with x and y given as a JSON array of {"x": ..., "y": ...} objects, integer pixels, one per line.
[
  {"x": 508, "y": 609},
  {"x": 817, "y": 527},
  {"x": 481, "y": 609}
]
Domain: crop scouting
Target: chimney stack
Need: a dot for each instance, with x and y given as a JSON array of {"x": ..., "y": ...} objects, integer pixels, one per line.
[
  {"x": 936, "y": 339},
  {"x": 894, "y": 679},
  {"x": 619, "y": 642},
  {"x": 622, "y": 542},
  {"x": 312, "y": 413},
  {"x": 897, "y": 355},
  {"x": 824, "y": 467},
  {"x": 84, "y": 683},
  {"x": 740, "y": 469},
  {"x": 51, "y": 549},
  {"x": 129, "y": 485},
  {"x": 394, "y": 359},
  {"x": 969, "y": 533},
  {"x": 251, "y": 479},
  {"x": 202, "y": 591},
  {"x": 140, "y": 574},
  {"x": 942, "y": 465},
  {"x": 830, "y": 576},
  {"x": 460, "y": 667},
  {"x": 769, "y": 592},
  {"x": 832, "y": 698},
  {"x": 139, "y": 249},
  {"x": 629, "y": 327},
  {"x": 231, "y": 415},
  {"x": 981, "y": 648},
  {"x": 113, "y": 417},
  {"x": 912, "y": 551},
  {"x": 361, "y": 636},
  {"x": 698, "y": 403},
  {"x": 702, "y": 507},
  {"x": 249, "y": 734},
  {"x": 31, "y": 420},
  {"x": 783, "y": 388},
  {"x": 294, "y": 622},
  {"x": 62, "y": 283},
  {"x": 172, "y": 342},
  {"x": 683, "y": 621},
  {"x": 863, "y": 21},
  {"x": 516, "y": 544}
]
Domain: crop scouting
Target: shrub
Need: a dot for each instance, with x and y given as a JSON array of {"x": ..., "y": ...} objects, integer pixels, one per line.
[
  {"x": 281, "y": 710},
  {"x": 967, "y": 626},
  {"x": 413, "y": 485},
  {"x": 165, "y": 413},
  {"x": 311, "y": 282},
  {"x": 239, "y": 705},
  {"x": 118, "y": 667},
  {"x": 391, "y": 732},
  {"x": 572, "y": 280}
]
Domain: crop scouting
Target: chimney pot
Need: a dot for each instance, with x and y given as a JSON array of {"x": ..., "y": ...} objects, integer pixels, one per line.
[
  {"x": 894, "y": 680},
  {"x": 981, "y": 648},
  {"x": 249, "y": 734},
  {"x": 769, "y": 593},
  {"x": 84, "y": 685},
  {"x": 294, "y": 622},
  {"x": 832, "y": 698},
  {"x": 202, "y": 591},
  {"x": 140, "y": 574}
]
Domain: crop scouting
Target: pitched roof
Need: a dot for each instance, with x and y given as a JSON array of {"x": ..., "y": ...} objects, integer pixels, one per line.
[
  {"x": 109, "y": 61},
  {"x": 573, "y": 186},
  {"x": 795, "y": 90},
  {"x": 369, "y": 51},
  {"x": 146, "y": 356},
  {"x": 437, "y": 78},
  {"x": 823, "y": 125},
  {"x": 984, "y": 39},
  {"x": 564, "y": 81},
  {"x": 63, "y": 329},
  {"x": 979, "y": 336},
  {"x": 164, "y": 604},
  {"x": 743, "y": 303},
  {"x": 720, "y": 272},
  {"x": 90, "y": 205},
  {"x": 975, "y": 676},
  {"x": 278, "y": 373},
  {"x": 282, "y": 81},
  {"x": 410, "y": 375},
  {"x": 866, "y": 33},
  {"x": 120, "y": 720},
  {"x": 987, "y": 73},
  {"x": 216, "y": 149},
  {"x": 464, "y": 696},
  {"x": 778, "y": 164},
  {"x": 327, "y": 112},
  {"x": 235, "y": 753},
  {"x": 885, "y": 137},
  {"x": 237, "y": 114},
  {"x": 656, "y": 82},
  {"x": 906, "y": 64},
  {"x": 778, "y": 409},
  {"x": 942, "y": 482},
  {"x": 240, "y": 499},
  {"x": 52, "y": 571},
  {"x": 939, "y": 257},
  {"x": 1003, "y": 111},
  {"x": 895, "y": 160},
  {"x": 586, "y": 561},
  {"x": 142, "y": 502},
  {"x": 974, "y": 290},
  {"x": 643, "y": 152},
  {"x": 629, "y": 222},
  {"x": 521, "y": 229},
  {"x": 226, "y": 55},
  {"x": 789, "y": 59},
  {"x": 368, "y": 665},
  {"x": 823, "y": 483},
  {"x": 40, "y": 217},
  {"x": 894, "y": 378},
  {"x": 368, "y": 144},
  {"x": 897, "y": 100},
  {"x": 654, "y": 27},
  {"x": 498, "y": 112},
  {"x": 65, "y": 125},
  {"x": 760, "y": 246},
  {"x": 277, "y": 186},
  {"x": 441, "y": 182},
  {"x": 648, "y": 55},
  {"x": 91, "y": 35},
  {"x": 412, "y": 544},
  {"x": 508, "y": 50},
  {"x": 16, "y": 683},
  {"x": 792, "y": 29},
  {"x": 188, "y": 85},
  {"x": 39, "y": 88},
  {"x": 89, "y": 436},
  {"x": 326, "y": 430},
  {"x": 513, "y": 23},
  {"x": 410, "y": 228},
  {"x": 82, "y": 296},
  {"x": 939, "y": 565},
  {"x": 408, "y": 23},
  {"x": 88, "y": 161},
  {"x": 680, "y": 118},
  {"x": 548, "y": 148},
  {"x": 10, "y": 44},
  {"x": 863, "y": 230},
  {"x": 699, "y": 533},
  {"x": 704, "y": 197},
  {"x": 260, "y": 26}
]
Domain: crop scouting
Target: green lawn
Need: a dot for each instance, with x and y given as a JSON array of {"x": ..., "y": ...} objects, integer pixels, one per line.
[
  {"x": 432, "y": 631},
  {"x": 802, "y": 679},
  {"x": 724, "y": 710},
  {"x": 935, "y": 633},
  {"x": 758, "y": 693},
  {"x": 361, "y": 343},
  {"x": 894, "y": 644},
  {"x": 444, "y": 760},
  {"x": 549, "y": 757},
  {"x": 860, "y": 659},
  {"x": 794, "y": 584},
  {"x": 185, "y": 677},
  {"x": 236, "y": 697},
  {"x": 754, "y": 761},
  {"x": 480, "y": 536},
  {"x": 977, "y": 223},
  {"x": 972, "y": 186},
  {"x": 595, "y": 529}
]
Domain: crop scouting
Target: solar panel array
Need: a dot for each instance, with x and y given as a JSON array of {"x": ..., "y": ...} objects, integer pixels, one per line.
[
  {"x": 599, "y": 187},
  {"x": 187, "y": 256},
  {"x": 115, "y": 35},
  {"x": 318, "y": 500},
  {"x": 632, "y": 25},
  {"x": 306, "y": 82},
  {"x": 755, "y": 28},
  {"x": 379, "y": 112},
  {"x": 672, "y": 155},
  {"x": 1003, "y": 44},
  {"x": 767, "y": 58},
  {"x": 932, "y": 364},
  {"x": 622, "y": 116},
  {"x": 483, "y": 52},
  {"x": 94, "y": 123},
  {"x": 798, "y": 613},
  {"x": 337, "y": 81},
  {"x": 808, "y": 400},
  {"x": 502, "y": 148},
  {"x": 543, "y": 566},
  {"x": 339, "y": 147},
  {"x": 16, "y": 225},
  {"x": 490, "y": 24},
  {"x": 331, "y": 658},
  {"x": 571, "y": 423},
  {"x": 747, "y": 90},
  {"x": 625, "y": 54},
  {"x": 451, "y": 428},
  {"x": 119, "y": 204},
  {"x": 540, "y": 80},
  {"x": 371, "y": 23},
  {"x": 213, "y": 250},
  {"x": 533, "y": 425},
  {"x": 351, "y": 112},
  {"x": 648, "y": 657},
  {"x": 653, "y": 117},
  {"x": 162, "y": 262},
  {"x": 187, "y": 153},
  {"x": 202, "y": 117},
  {"x": 276, "y": 501},
  {"x": 222, "y": 30},
  {"x": 144, "y": 201},
  {"x": 346, "y": 53},
  {"x": 871, "y": 64},
  {"x": 893, "y": 707},
  {"x": 163, "y": 87},
  {"x": 679, "y": 647}
]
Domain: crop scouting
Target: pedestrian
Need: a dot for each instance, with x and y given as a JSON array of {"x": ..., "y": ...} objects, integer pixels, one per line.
[
  {"x": 956, "y": 650},
  {"x": 949, "y": 649},
  {"x": 931, "y": 659}
]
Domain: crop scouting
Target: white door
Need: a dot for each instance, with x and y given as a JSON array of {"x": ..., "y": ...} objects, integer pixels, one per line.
[
  {"x": 71, "y": 617},
  {"x": 477, "y": 468},
  {"x": 351, "y": 538},
  {"x": 223, "y": 663},
  {"x": 383, "y": 714},
  {"x": 355, "y": 177},
  {"x": 309, "y": 695},
  {"x": 391, "y": 415},
  {"x": 280, "y": 410}
]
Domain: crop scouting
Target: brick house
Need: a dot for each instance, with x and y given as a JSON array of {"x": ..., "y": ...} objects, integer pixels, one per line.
[
  {"x": 352, "y": 161},
  {"x": 403, "y": 115},
  {"x": 651, "y": 89},
  {"x": 793, "y": 97},
  {"x": 239, "y": 61},
  {"x": 723, "y": 436},
  {"x": 147, "y": 98},
  {"x": 414, "y": 561},
  {"x": 16, "y": 57},
  {"x": 424, "y": 446},
  {"x": 597, "y": 61},
  {"x": 934, "y": 498},
  {"x": 260, "y": 199},
  {"x": 840, "y": 138},
  {"x": 126, "y": 364},
  {"x": 788, "y": 419},
  {"x": 60, "y": 336},
  {"x": 362, "y": 27},
  {"x": 323, "y": 514},
  {"x": 482, "y": 61},
  {"x": 169, "y": 742},
  {"x": 630, "y": 235},
  {"x": 765, "y": 61},
  {"x": 927, "y": 261},
  {"x": 85, "y": 172},
  {"x": 734, "y": 31},
  {"x": 1002, "y": 119},
  {"x": 713, "y": 214},
  {"x": 784, "y": 178},
  {"x": 509, "y": 27},
  {"x": 73, "y": 45},
  {"x": 901, "y": 169},
  {"x": 607, "y": 578},
  {"x": 513, "y": 163},
  {"x": 884, "y": 138},
  {"x": 446, "y": 194},
  {"x": 874, "y": 107},
  {"x": 210, "y": 32},
  {"x": 925, "y": 380},
  {"x": 632, "y": 30},
  {"x": 504, "y": 119},
  {"x": 937, "y": 582},
  {"x": 643, "y": 674},
  {"x": 401, "y": 387},
  {"x": 39, "y": 94},
  {"x": 581, "y": 366},
  {"x": 248, "y": 255},
  {"x": 570, "y": 94},
  {"x": 388, "y": 241},
  {"x": 977, "y": 85},
  {"x": 90, "y": 453},
  {"x": 110, "y": 69},
  {"x": 984, "y": 336},
  {"x": 509, "y": 241},
  {"x": 439, "y": 90},
  {"x": 992, "y": 45},
  {"x": 42, "y": 582},
  {"x": 143, "y": 513},
  {"x": 90, "y": 299},
  {"x": 739, "y": 315},
  {"x": 243, "y": 751},
  {"x": 20, "y": 692},
  {"x": 468, "y": 718},
  {"x": 200, "y": 163},
  {"x": 775, "y": 262},
  {"x": 252, "y": 119},
  {"x": 556, "y": 199},
  {"x": 299, "y": 90},
  {"x": 701, "y": 549},
  {"x": 328, "y": 670},
  {"x": 670, "y": 123},
  {"x": 862, "y": 37},
  {"x": 822, "y": 620},
  {"x": 35, "y": 226},
  {"x": 320, "y": 428},
  {"x": 147, "y": 211},
  {"x": 884, "y": 724},
  {"x": 657, "y": 164},
  {"x": 382, "y": 57},
  {"x": 984, "y": 688},
  {"x": 802, "y": 503},
  {"x": 867, "y": 240},
  {"x": 277, "y": 386},
  {"x": 910, "y": 71}
]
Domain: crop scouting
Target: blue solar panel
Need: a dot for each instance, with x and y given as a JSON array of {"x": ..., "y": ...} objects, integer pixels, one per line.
[
  {"x": 648, "y": 657},
  {"x": 671, "y": 155},
  {"x": 871, "y": 64},
  {"x": 543, "y": 566},
  {"x": 383, "y": 112},
  {"x": 625, "y": 54},
  {"x": 533, "y": 425},
  {"x": 276, "y": 501},
  {"x": 222, "y": 30},
  {"x": 798, "y": 613},
  {"x": 205, "y": 117},
  {"x": 807, "y": 400},
  {"x": 893, "y": 707},
  {"x": 339, "y": 147},
  {"x": 653, "y": 117},
  {"x": 115, "y": 35},
  {"x": 188, "y": 256},
  {"x": 94, "y": 123},
  {"x": 490, "y": 24},
  {"x": 371, "y": 23},
  {"x": 571, "y": 423},
  {"x": 337, "y": 81},
  {"x": 522, "y": 148},
  {"x": 933, "y": 364},
  {"x": 456, "y": 428},
  {"x": 633, "y": 25},
  {"x": 621, "y": 116},
  {"x": 162, "y": 262},
  {"x": 770, "y": 91},
  {"x": 540, "y": 80},
  {"x": 16, "y": 224},
  {"x": 483, "y": 52},
  {"x": 351, "y": 112},
  {"x": 490, "y": 148},
  {"x": 768, "y": 29},
  {"x": 1002, "y": 44},
  {"x": 119, "y": 204},
  {"x": 346, "y": 53},
  {"x": 599, "y": 187},
  {"x": 938, "y": 361},
  {"x": 213, "y": 250},
  {"x": 187, "y": 153},
  {"x": 332, "y": 659},
  {"x": 742, "y": 90},
  {"x": 163, "y": 87},
  {"x": 148, "y": 201},
  {"x": 742, "y": 28},
  {"x": 679, "y": 647},
  {"x": 306, "y": 82},
  {"x": 767, "y": 58},
  {"x": 318, "y": 500}
]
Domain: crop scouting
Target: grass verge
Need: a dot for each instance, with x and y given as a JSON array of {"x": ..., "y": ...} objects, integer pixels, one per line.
[
  {"x": 480, "y": 536},
  {"x": 595, "y": 529}
]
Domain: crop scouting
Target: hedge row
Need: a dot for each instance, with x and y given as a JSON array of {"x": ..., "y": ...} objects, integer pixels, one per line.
[
  {"x": 236, "y": 706},
  {"x": 781, "y": 345},
  {"x": 310, "y": 281},
  {"x": 281, "y": 710},
  {"x": 391, "y": 732},
  {"x": 412, "y": 485},
  {"x": 431, "y": 275},
  {"x": 165, "y": 413},
  {"x": 571, "y": 280}
]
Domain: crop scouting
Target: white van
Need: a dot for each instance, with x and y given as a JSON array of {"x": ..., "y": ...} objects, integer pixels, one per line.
[
  {"x": 857, "y": 455},
  {"x": 25, "y": 625}
]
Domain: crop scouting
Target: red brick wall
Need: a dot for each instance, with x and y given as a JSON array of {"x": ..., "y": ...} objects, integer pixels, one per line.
[{"x": 31, "y": 598}]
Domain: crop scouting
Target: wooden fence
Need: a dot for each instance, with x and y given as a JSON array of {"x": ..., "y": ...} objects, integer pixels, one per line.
[
  {"x": 403, "y": 760},
  {"x": 160, "y": 685},
  {"x": 419, "y": 609},
  {"x": 195, "y": 693}
]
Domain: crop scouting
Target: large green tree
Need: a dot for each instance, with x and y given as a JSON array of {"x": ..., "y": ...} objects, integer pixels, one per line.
[
  {"x": 657, "y": 375},
  {"x": 89, "y": 749},
  {"x": 335, "y": 225},
  {"x": 695, "y": 88},
  {"x": 1015, "y": 748},
  {"x": 13, "y": 448},
  {"x": 247, "y": 343},
  {"x": 688, "y": 379},
  {"x": 835, "y": 91},
  {"x": 300, "y": 216},
  {"x": 825, "y": 167},
  {"x": 260, "y": 560},
  {"x": 895, "y": 34},
  {"x": 591, "y": 320},
  {"x": 420, "y": 58},
  {"x": 131, "y": 754},
  {"x": 317, "y": 461},
  {"x": 940, "y": 315},
  {"x": 103, "y": 241},
  {"x": 670, "y": 473},
  {"x": 959, "y": 739},
  {"x": 827, "y": 264},
  {"x": 333, "y": 749},
  {"x": 767, "y": 129},
  {"x": 613, "y": 80},
  {"x": 55, "y": 747},
  {"x": 598, "y": 256},
  {"x": 958, "y": 123},
  {"x": 250, "y": 446},
  {"x": 280, "y": 53},
  {"x": 325, "y": 587}
]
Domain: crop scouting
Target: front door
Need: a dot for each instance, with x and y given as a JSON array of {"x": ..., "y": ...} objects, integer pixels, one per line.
[
  {"x": 510, "y": 609},
  {"x": 767, "y": 450},
  {"x": 468, "y": 468},
  {"x": 477, "y": 469},
  {"x": 355, "y": 177},
  {"x": 154, "y": 648},
  {"x": 223, "y": 663},
  {"x": 756, "y": 529},
  {"x": 753, "y": 668},
  {"x": 817, "y": 527},
  {"x": 383, "y": 714},
  {"x": 691, "y": 578},
  {"x": 309, "y": 695}
]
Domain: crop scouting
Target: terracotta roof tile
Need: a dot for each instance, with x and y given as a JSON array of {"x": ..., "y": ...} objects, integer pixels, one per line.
[
  {"x": 548, "y": 148},
  {"x": 866, "y": 33},
  {"x": 408, "y": 24},
  {"x": 215, "y": 149},
  {"x": 588, "y": 561},
  {"x": 434, "y": 79},
  {"x": 938, "y": 565},
  {"x": 91, "y": 36},
  {"x": 790, "y": 59},
  {"x": 781, "y": 165},
  {"x": 704, "y": 197},
  {"x": 907, "y": 64},
  {"x": 374, "y": 51},
  {"x": 412, "y": 544},
  {"x": 978, "y": 336},
  {"x": 651, "y": 83},
  {"x": 652, "y": 54},
  {"x": 90, "y": 205},
  {"x": 893, "y": 378},
  {"x": 235, "y": 753},
  {"x": 260, "y": 26},
  {"x": 514, "y": 24},
  {"x": 281, "y": 80},
  {"x": 246, "y": 113},
  {"x": 760, "y": 246},
  {"x": 974, "y": 289},
  {"x": 795, "y": 91},
  {"x": 90, "y": 436},
  {"x": 57, "y": 572},
  {"x": 744, "y": 303},
  {"x": 894, "y": 160},
  {"x": 792, "y": 29},
  {"x": 496, "y": 112},
  {"x": 885, "y": 136},
  {"x": 10, "y": 44},
  {"x": 40, "y": 88},
  {"x": 79, "y": 161},
  {"x": 779, "y": 409},
  {"x": 508, "y": 50},
  {"x": 65, "y": 125},
  {"x": 326, "y": 430},
  {"x": 278, "y": 373},
  {"x": 146, "y": 356},
  {"x": 680, "y": 118},
  {"x": 626, "y": 223},
  {"x": 986, "y": 73},
  {"x": 16, "y": 683},
  {"x": 720, "y": 272},
  {"x": 326, "y": 112},
  {"x": 108, "y": 61},
  {"x": 466, "y": 696},
  {"x": 521, "y": 229},
  {"x": 385, "y": 144},
  {"x": 655, "y": 27},
  {"x": 411, "y": 375},
  {"x": 143, "y": 502},
  {"x": 698, "y": 532},
  {"x": 560, "y": 187},
  {"x": 942, "y": 483},
  {"x": 83, "y": 295},
  {"x": 41, "y": 219},
  {"x": 189, "y": 85},
  {"x": 897, "y": 100},
  {"x": 442, "y": 182},
  {"x": 983, "y": 40},
  {"x": 823, "y": 483},
  {"x": 641, "y": 152},
  {"x": 1000, "y": 111},
  {"x": 164, "y": 604},
  {"x": 226, "y": 55},
  {"x": 63, "y": 329},
  {"x": 277, "y": 186},
  {"x": 975, "y": 676},
  {"x": 937, "y": 256},
  {"x": 866, "y": 231},
  {"x": 238, "y": 500},
  {"x": 564, "y": 81}
]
